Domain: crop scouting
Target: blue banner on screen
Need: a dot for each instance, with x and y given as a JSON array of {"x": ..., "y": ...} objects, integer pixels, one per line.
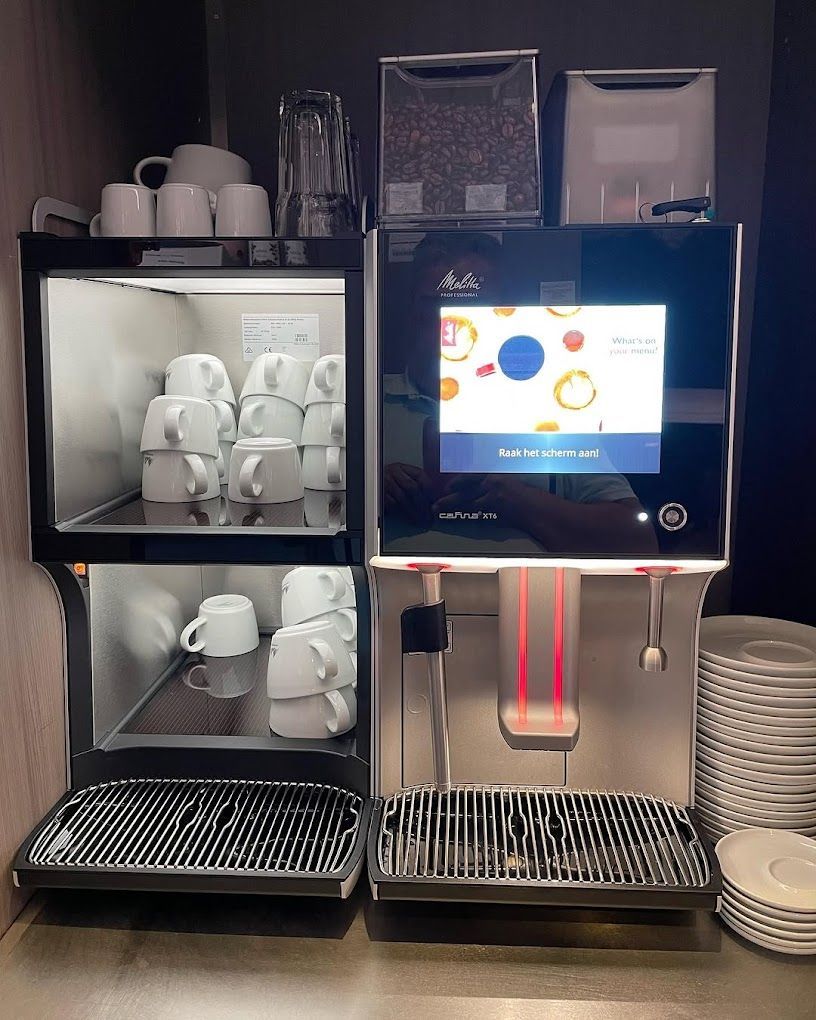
[
  {"x": 562, "y": 389},
  {"x": 636, "y": 453}
]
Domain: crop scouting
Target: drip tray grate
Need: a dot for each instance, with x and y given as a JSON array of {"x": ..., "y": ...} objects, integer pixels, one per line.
[
  {"x": 540, "y": 835},
  {"x": 210, "y": 826}
]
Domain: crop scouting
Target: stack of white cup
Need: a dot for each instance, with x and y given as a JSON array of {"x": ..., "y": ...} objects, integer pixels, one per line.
[
  {"x": 312, "y": 672},
  {"x": 180, "y": 455},
  {"x": 324, "y": 442},
  {"x": 205, "y": 376}
]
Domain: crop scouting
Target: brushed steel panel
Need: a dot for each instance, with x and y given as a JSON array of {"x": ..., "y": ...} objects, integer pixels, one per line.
[
  {"x": 478, "y": 751},
  {"x": 137, "y": 613},
  {"x": 260, "y": 584},
  {"x": 109, "y": 346}
]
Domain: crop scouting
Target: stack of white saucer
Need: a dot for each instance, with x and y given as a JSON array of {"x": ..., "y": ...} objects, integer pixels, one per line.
[
  {"x": 756, "y": 725},
  {"x": 769, "y": 889}
]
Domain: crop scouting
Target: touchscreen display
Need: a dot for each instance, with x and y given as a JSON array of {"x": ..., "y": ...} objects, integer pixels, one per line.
[{"x": 550, "y": 390}]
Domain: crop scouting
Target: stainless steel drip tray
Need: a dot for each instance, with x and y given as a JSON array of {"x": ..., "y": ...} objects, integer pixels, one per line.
[
  {"x": 203, "y": 835},
  {"x": 541, "y": 845}
]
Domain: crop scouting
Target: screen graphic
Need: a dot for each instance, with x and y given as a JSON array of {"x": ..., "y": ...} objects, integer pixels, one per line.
[{"x": 547, "y": 390}]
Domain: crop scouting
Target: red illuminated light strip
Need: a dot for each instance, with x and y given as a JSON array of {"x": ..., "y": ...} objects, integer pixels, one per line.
[
  {"x": 523, "y": 595},
  {"x": 558, "y": 648}
]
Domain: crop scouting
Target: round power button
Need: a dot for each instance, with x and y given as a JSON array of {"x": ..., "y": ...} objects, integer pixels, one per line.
[{"x": 672, "y": 516}]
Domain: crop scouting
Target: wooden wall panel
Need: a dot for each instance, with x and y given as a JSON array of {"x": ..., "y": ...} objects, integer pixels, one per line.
[{"x": 83, "y": 94}]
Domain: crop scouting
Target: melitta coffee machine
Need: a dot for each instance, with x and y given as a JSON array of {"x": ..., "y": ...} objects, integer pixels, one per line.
[{"x": 553, "y": 454}]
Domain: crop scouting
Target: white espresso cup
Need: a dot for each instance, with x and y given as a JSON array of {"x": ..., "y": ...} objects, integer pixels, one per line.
[
  {"x": 324, "y": 509},
  {"x": 265, "y": 470},
  {"x": 277, "y": 375},
  {"x": 324, "y": 425},
  {"x": 225, "y": 625},
  {"x": 172, "y": 476},
  {"x": 315, "y": 717},
  {"x": 309, "y": 592},
  {"x": 328, "y": 381},
  {"x": 242, "y": 210},
  {"x": 183, "y": 210},
  {"x": 324, "y": 467},
  {"x": 199, "y": 375},
  {"x": 345, "y": 622},
  {"x": 205, "y": 165},
  {"x": 307, "y": 659},
  {"x": 127, "y": 210},
  {"x": 270, "y": 416},
  {"x": 180, "y": 423}
]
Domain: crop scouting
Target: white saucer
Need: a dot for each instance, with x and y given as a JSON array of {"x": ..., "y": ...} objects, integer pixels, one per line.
[
  {"x": 746, "y": 677},
  {"x": 781, "y": 790},
  {"x": 806, "y": 940},
  {"x": 766, "y": 942},
  {"x": 761, "y": 813},
  {"x": 758, "y": 644},
  {"x": 801, "y": 919},
  {"x": 773, "y": 866},
  {"x": 726, "y": 814},
  {"x": 805, "y": 811},
  {"x": 792, "y": 736},
  {"x": 755, "y": 753},
  {"x": 804, "y": 705},
  {"x": 752, "y": 917},
  {"x": 799, "y": 775},
  {"x": 755, "y": 742},
  {"x": 754, "y": 709},
  {"x": 757, "y": 690}
]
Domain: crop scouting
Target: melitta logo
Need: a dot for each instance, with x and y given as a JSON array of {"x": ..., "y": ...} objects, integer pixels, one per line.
[
  {"x": 460, "y": 286},
  {"x": 473, "y": 515}
]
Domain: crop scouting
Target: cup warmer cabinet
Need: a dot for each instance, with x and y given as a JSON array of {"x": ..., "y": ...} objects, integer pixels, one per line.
[{"x": 170, "y": 790}]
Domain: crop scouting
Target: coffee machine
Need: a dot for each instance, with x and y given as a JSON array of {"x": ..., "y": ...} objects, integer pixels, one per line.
[{"x": 552, "y": 445}]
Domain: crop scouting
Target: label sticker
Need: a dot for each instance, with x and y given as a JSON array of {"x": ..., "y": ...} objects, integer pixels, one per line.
[
  {"x": 556, "y": 292},
  {"x": 486, "y": 198},
  {"x": 298, "y": 335},
  {"x": 402, "y": 199}
]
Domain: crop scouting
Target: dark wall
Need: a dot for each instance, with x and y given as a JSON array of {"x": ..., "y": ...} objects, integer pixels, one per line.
[{"x": 775, "y": 558}]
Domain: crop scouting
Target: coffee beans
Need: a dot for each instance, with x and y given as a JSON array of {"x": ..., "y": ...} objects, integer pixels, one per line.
[{"x": 468, "y": 157}]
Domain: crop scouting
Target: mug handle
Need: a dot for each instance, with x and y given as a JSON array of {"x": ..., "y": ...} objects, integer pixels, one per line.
[
  {"x": 95, "y": 227},
  {"x": 254, "y": 418},
  {"x": 324, "y": 373},
  {"x": 271, "y": 370},
  {"x": 220, "y": 467},
  {"x": 173, "y": 431},
  {"x": 246, "y": 477},
  {"x": 190, "y": 673},
  {"x": 200, "y": 481},
  {"x": 213, "y": 375},
  {"x": 337, "y": 423},
  {"x": 337, "y": 584},
  {"x": 342, "y": 716},
  {"x": 327, "y": 669},
  {"x": 184, "y": 638},
  {"x": 164, "y": 161},
  {"x": 333, "y": 473},
  {"x": 224, "y": 419},
  {"x": 351, "y": 616}
]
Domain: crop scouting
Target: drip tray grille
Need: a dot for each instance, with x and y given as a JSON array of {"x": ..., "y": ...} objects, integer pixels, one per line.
[
  {"x": 205, "y": 826},
  {"x": 521, "y": 836}
]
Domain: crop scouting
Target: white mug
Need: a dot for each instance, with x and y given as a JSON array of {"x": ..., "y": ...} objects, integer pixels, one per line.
[
  {"x": 324, "y": 467},
  {"x": 307, "y": 659},
  {"x": 345, "y": 622},
  {"x": 277, "y": 375},
  {"x": 270, "y": 416},
  {"x": 307, "y": 592},
  {"x": 230, "y": 676},
  {"x": 172, "y": 476},
  {"x": 225, "y": 421},
  {"x": 199, "y": 375},
  {"x": 316, "y": 717},
  {"x": 225, "y": 626},
  {"x": 180, "y": 423},
  {"x": 328, "y": 381},
  {"x": 205, "y": 165},
  {"x": 127, "y": 210},
  {"x": 183, "y": 210},
  {"x": 324, "y": 425},
  {"x": 324, "y": 509},
  {"x": 242, "y": 210},
  {"x": 265, "y": 470}
]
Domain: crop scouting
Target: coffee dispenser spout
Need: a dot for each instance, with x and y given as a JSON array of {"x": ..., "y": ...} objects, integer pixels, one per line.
[{"x": 653, "y": 658}]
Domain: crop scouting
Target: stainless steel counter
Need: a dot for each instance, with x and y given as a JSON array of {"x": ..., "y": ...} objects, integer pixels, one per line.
[{"x": 94, "y": 955}]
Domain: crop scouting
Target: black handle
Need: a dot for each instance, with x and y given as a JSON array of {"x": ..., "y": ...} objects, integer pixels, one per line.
[
  {"x": 692, "y": 205},
  {"x": 424, "y": 628}
]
